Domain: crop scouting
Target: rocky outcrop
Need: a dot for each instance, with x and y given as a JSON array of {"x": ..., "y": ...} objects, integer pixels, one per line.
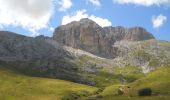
[{"x": 90, "y": 37}]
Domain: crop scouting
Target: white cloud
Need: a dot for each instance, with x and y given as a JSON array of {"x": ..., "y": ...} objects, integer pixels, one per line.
[
  {"x": 102, "y": 22},
  {"x": 144, "y": 2},
  {"x": 95, "y": 2},
  {"x": 79, "y": 15},
  {"x": 65, "y": 4},
  {"x": 82, "y": 14},
  {"x": 29, "y": 14},
  {"x": 158, "y": 21}
]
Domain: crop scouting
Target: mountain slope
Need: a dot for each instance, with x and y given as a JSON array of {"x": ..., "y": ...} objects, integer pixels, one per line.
[
  {"x": 84, "y": 52},
  {"x": 46, "y": 58},
  {"x": 43, "y": 56},
  {"x": 36, "y": 57},
  {"x": 148, "y": 54},
  {"x": 16, "y": 86}
]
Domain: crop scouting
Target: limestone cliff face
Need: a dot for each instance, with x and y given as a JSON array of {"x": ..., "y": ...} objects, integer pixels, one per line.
[
  {"x": 90, "y": 37},
  {"x": 85, "y": 35}
]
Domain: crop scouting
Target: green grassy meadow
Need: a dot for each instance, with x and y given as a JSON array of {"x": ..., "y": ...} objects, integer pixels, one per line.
[{"x": 16, "y": 86}]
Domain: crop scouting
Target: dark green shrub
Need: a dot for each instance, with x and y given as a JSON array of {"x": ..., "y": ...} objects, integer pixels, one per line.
[{"x": 145, "y": 92}]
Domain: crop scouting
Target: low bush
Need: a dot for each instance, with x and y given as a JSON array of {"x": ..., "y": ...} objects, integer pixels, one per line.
[{"x": 145, "y": 92}]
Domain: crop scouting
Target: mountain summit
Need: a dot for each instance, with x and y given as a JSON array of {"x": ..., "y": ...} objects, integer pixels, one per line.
[{"x": 89, "y": 36}]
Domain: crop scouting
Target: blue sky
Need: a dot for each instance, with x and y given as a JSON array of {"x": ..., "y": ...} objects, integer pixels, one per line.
[{"x": 34, "y": 17}]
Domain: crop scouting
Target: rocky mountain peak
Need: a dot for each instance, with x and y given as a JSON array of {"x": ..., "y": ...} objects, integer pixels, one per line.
[
  {"x": 85, "y": 35},
  {"x": 89, "y": 36}
]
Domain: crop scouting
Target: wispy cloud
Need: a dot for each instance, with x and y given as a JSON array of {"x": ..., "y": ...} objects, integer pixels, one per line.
[
  {"x": 29, "y": 14},
  {"x": 83, "y": 14},
  {"x": 95, "y": 2},
  {"x": 65, "y": 4},
  {"x": 144, "y": 2},
  {"x": 158, "y": 21}
]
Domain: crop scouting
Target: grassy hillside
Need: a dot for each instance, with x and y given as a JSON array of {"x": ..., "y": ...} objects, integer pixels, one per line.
[
  {"x": 158, "y": 81},
  {"x": 15, "y": 86}
]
